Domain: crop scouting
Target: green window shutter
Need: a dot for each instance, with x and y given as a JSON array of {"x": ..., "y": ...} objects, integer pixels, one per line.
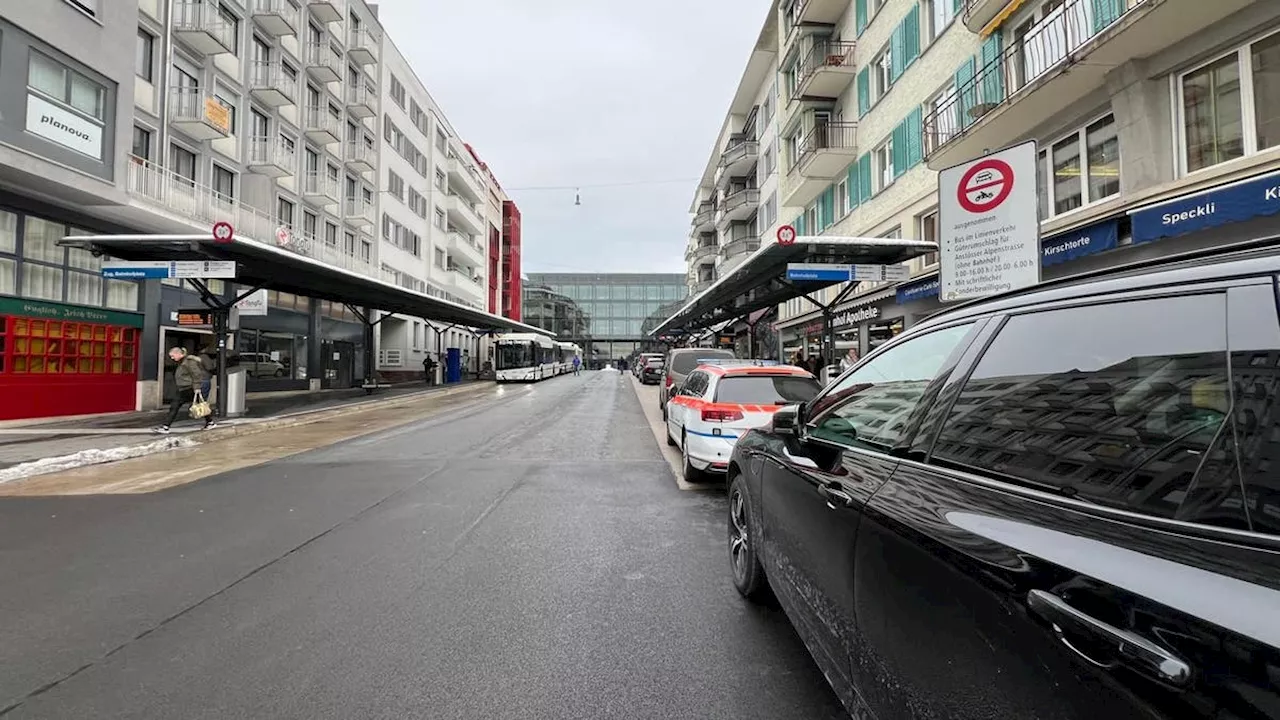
[
  {"x": 966, "y": 91},
  {"x": 897, "y": 52},
  {"x": 864, "y": 177},
  {"x": 992, "y": 80},
  {"x": 829, "y": 206},
  {"x": 860, "y": 14},
  {"x": 864, "y": 91},
  {"x": 1106, "y": 12},
  {"x": 799, "y": 224},
  {"x": 899, "y": 153},
  {"x": 915, "y": 137},
  {"x": 911, "y": 36},
  {"x": 851, "y": 183}
]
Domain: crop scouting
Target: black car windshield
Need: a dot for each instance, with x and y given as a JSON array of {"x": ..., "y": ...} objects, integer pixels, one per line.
[
  {"x": 766, "y": 389},
  {"x": 684, "y": 363}
]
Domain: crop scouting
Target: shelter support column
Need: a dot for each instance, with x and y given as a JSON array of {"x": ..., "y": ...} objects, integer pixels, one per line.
[{"x": 315, "y": 349}]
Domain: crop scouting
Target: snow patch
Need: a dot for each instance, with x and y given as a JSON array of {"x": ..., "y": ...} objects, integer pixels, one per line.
[
  {"x": 92, "y": 456},
  {"x": 609, "y": 368}
]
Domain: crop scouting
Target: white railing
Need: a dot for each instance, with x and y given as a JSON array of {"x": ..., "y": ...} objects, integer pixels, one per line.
[
  {"x": 358, "y": 208},
  {"x": 186, "y": 103},
  {"x": 272, "y": 151},
  {"x": 363, "y": 38},
  {"x": 317, "y": 183},
  {"x": 321, "y": 55},
  {"x": 201, "y": 207},
  {"x": 357, "y": 151},
  {"x": 201, "y": 16},
  {"x": 283, "y": 8},
  {"x": 268, "y": 75},
  {"x": 319, "y": 119}
]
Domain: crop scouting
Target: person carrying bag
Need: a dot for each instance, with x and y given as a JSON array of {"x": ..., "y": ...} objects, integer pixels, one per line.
[{"x": 191, "y": 385}]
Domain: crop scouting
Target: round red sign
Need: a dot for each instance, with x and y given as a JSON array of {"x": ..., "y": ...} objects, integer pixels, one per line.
[
  {"x": 786, "y": 235},
  {"x": 223, "y": 232},
  {"x": 985, "y": 186}
]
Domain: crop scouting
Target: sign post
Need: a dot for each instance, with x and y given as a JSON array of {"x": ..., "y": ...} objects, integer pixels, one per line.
[{"x": 989, "y": 224}]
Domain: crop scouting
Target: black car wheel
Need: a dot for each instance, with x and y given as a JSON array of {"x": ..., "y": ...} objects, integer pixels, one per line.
[
  {"x": 691, "y": 473},
  {"x": 748, "y": 573}
]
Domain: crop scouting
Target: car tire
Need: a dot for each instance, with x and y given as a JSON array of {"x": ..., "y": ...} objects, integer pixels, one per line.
[
  {"x": 691, "y": 473},
  {"x": 748, "y": 574},
  {"x": 280, "y": 372}
]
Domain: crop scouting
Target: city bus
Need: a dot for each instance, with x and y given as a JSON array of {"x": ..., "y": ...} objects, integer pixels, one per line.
[
  {"x": 526, "y": 357},
  {"x": 567, "y": 352}
]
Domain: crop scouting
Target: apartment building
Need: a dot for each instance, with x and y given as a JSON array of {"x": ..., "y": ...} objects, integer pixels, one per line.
[
  {"x": 736, "y": 202},
  {"x": 1155, "y": 122}
]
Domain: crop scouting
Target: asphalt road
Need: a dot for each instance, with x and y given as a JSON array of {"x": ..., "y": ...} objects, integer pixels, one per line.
[{"x": 524, "y": 557}]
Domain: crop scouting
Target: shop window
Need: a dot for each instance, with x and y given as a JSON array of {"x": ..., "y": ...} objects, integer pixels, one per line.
[
  {"x": 1080, "y": 169},
  {"x": 38, "y": 346},
  {"x": 8, "y": 276},
  {"x": 122, "y": 295},
  {"x": 41, "y": 282},
  {"x": 66, "y": 86},
  {"x": 84, "y": 289},
  {"x": 1213, "y": 100},
  {"x": 8, "y": 232},
  {"x": 40, "y": 240}
]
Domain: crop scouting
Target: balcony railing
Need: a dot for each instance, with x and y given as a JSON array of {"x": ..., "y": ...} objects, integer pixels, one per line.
[
  {"x": 825, "y": 55},
  {"x": 362, "y": 45},
  {"x": 201, "y": 26},
  {"x": 322, "y": 63},
  {"x": 738, "y": 198},
  {"x": 828, "y": 136},
  {"x": 197, "y": 114},
  {"x": 269, "y": 84},
  {"x": 317, "y": 184},
  {"x": 201, "y": 206},
  {"x": 1051, "y": 43},
  {"x": 740, "y": 150},
  {"x": 272, "y": 155},
  {"x": 276, "y": 17},
  {"x": 321, "y": 126},
  {"x": 706, "y": 214}
]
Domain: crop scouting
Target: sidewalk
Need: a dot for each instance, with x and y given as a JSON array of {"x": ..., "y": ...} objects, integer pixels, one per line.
[{"x": 120, "y": 435}]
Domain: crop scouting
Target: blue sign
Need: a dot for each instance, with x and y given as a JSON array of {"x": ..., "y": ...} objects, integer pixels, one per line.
[
  {"x": 834, "y": 274},
  {"x": 919, "y": 289},
  {"x": 138, "y": 271},
  {"x": 1235, "y": 203},
  {"x": 1079, "y": 243}
]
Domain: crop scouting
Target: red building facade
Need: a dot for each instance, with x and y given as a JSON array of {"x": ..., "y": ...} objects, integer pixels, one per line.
[{"x": 512, "y": 296}]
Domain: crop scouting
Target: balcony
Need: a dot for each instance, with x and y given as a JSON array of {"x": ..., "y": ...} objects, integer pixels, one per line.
[
  {"x": 198, "y": 116},
  {"x": 276, "y": 18},
  {"x": 321, "y": 127},
  {"x": 825, "y": 12},
  {"x": 319, "y": 188},
  {"x": 825, "y": 71},
  {"x": 166, "y": 194},
  {"x": 270, "y": 86},
  {"x": 462, "y": 214},
  {"x": 822, "y": 155},
  {"x": 326, "y": 11},
  {"x": 697, "y": 287},
  {"x": 358, "y": 213},
  {"x": 1052, "y": 69},
  {"x": 705, "y": 218},
  {"x": 200, "y": 27},
  {"x": 738, "y": 156},
  {"x": 269, "y": 156},
  {"x": 322, "y": 63},
  {"x": 464, "y": 279},
  {"x": 737, "y": 205},
  {"x": 703, "y": 251},
  {"x": 739, "y": 240},
  {"x": 464, "y": 251},
  {"x": 465, "y": 180},
  {"x": 360, "y": 157},
  {"x": 362, "y": 45},
  {"x": 362, "y": 100}
]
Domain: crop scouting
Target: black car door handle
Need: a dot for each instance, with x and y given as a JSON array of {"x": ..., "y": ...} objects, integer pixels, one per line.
[
  {"x": 1135, "y": 650},
  {"x": 834, "y": 496}
]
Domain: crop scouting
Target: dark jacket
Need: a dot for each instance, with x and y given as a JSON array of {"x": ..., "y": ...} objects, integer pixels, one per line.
[{"x": 189, "y": 373}]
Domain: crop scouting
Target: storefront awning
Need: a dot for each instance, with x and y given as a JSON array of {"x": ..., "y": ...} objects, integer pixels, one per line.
[
  {"x": 760, "y": 281},
  {"x": 265, "y": 266}
]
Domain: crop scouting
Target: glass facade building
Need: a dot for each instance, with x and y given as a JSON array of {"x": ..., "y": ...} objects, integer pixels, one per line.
[{"x": 605, "y": 312}]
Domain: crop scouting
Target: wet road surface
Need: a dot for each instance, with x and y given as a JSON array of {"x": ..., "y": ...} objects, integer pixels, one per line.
[{"x": 526, "y": 556}]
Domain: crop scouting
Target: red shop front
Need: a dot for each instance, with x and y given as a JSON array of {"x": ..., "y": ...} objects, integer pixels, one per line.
[{"x": 58, "y": 359}]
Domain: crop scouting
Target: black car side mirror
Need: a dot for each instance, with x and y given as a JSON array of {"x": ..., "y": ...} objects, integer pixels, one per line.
[{"x": 787, "y": 420}]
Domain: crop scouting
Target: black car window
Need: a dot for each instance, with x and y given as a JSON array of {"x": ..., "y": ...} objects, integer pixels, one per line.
[
  {"x": 870, "y": 406},
  {"x": 766, "y": 389},
  {"x": 1117, "y": 404},
  {"x": 684, "y": 362}
]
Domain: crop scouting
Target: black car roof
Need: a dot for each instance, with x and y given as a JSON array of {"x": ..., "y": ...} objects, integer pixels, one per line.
[{"x": 1255, "y": 257}]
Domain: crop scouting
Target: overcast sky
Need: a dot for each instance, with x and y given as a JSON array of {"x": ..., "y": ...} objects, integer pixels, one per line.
[{"x": 583, "y": 93}]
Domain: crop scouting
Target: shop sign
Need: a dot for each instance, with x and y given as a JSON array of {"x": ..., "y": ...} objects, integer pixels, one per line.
[
  {"x": 217, "y": 115},
  {"x": 1237, "y": 202},
  {"x": 63, "y": 127},
  {"x": 59, "y": 311},
  {"x": 853, "y": 317},
  {"x": 253, "y": 304},
  {"x": 1085, "y": 241},
  {"x": 989, "y": 224},
  {"x": 919, "y": 290}
]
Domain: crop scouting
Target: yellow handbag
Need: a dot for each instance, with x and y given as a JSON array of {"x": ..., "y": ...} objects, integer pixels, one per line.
[{"x": 200, "y": 407}]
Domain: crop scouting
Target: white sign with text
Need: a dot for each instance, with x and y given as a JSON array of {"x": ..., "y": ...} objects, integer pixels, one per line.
[
  {"x": 989, "y": 225},
  {"x": 63, "y": 127},
  {"x": 254, "y": 304}
]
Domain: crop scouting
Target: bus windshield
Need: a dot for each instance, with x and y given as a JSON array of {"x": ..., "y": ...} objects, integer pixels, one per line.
[{"x": 512, "y": 356}]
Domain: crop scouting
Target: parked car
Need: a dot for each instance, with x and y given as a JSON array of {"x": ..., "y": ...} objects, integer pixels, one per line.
[
  {"x": 651, "y": 371},
  {"x": 261, "y": 365},
  {"x": 1056, "y": 503},
  {"x": 641, "y": 360},
  {"x": 677, "y": 365}
]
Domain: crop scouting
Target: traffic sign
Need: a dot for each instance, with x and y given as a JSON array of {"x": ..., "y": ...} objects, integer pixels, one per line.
[
  {"x": 223, "y": 232},
  {"x": 989, "y": 224},
  {"x": 163, "y": 269},
  {"x": 786, "y": 235}
]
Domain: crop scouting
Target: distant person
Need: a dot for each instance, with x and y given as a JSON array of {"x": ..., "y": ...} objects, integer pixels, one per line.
[
  {"x": 190, "y": 380},
  {"x": 849, "y": 360},
  {"x": 577, "y": 364},
  {"x": 429, "y": 370}
]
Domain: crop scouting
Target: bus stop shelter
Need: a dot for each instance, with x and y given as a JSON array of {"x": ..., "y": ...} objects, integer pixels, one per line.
[
  {"x": 262, "y": 266},
  {"x": 761, "y": 282}
]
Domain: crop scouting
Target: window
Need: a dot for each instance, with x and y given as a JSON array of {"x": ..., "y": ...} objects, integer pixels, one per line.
[
  {"x": 882, "y": 74},
  {"x": 284, "y": 212},
  {"x": 330, "y": 234},
  {"x": 842, "y": 198},
  {"x": 182, "y": 162},
  {"x": 440, "y": 220},
  {"x": 310, "y": 225},
  {"x": 66, "y": 86},
  {"x": 442, "y": 142},
  {"x": 259, "y": 125},
  {"x": 1080, "y": 169},
  {"x": 221, "y": 96},
  {"x": 233, "y": 24},
  {"x": 417, "y": 203},
  {"x": 1120, "y": 413},
  {"x": 224, "y": 183},
  {"x": 928, "y": 230},
  {"x": 1214, "y": 99},
  {"x": 941, "y": 118},
  {"x": 766, "y": 390},
  {"x": 397, "y": 91},
  {"x": 439, "y": 258},
  {"x": 141, "y": 143},
  {"x": 884, "y": 166},
  {"x": 145, "y": 60},
  {"x": 937, "y": 15},
  {"x": 441, "y": 182},
  {"x": 870, "y": 406},
  {"x": 395, "y": 186}
]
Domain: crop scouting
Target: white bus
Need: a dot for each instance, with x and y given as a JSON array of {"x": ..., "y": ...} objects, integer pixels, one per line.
[
  {"x": 567, "y": 352},
  {"x": 525, "y": 357}
]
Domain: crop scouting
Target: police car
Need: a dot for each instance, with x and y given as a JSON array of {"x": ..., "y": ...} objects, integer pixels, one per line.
[{"x": 721, "y": 400}]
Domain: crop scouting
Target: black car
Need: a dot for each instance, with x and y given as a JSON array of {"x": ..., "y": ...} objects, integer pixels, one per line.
[
  {"x": 651, "y": 371},
  {"x": 1055, "y": 503}
]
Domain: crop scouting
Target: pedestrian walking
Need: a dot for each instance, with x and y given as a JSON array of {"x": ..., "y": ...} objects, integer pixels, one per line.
[
  {"x": 429, "y": 370},
  {"x": 577, "y": 364},
  {"x": 191, "y": 385}
]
